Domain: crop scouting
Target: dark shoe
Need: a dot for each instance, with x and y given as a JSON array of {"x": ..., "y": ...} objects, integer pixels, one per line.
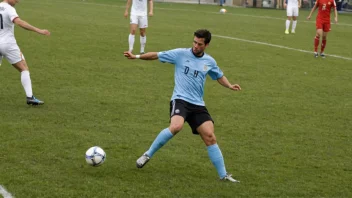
[{"x": 34, "y": 101}]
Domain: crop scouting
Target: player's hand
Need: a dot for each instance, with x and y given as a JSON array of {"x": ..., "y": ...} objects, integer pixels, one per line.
[
  {"x": 299, "y": 6},
  {"x": 308, "y": 17},
  {"x": 126, "y": 14},
  {"x": 44, "y": 32},
  {"x": 129, "y": 55},
  {"x": 150, "y": 14},
  {"x": 335, "y": 20},
  {"x": 235, "y": 87}
]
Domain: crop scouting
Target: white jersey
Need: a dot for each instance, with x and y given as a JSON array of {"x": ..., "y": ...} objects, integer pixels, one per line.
[
  {"x": 139, "y": 7},
  {"x": 7, "y": 15},
  {"x": 292, "y": 3}
]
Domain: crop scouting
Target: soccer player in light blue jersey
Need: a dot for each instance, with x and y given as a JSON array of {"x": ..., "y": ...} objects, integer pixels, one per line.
[{"x": 192, "y": 66}]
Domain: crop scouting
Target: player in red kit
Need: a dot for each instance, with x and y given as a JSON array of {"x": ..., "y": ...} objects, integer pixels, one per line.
[{"x": 322, "y": 23}]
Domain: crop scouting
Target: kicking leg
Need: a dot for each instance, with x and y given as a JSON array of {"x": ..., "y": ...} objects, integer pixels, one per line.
[{"x": 163, "y": 137}]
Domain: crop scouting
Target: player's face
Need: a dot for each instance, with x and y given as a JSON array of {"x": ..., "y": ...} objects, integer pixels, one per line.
[
  {"x": 198, "y": 46},
  {"x": 13, "y": 2}
]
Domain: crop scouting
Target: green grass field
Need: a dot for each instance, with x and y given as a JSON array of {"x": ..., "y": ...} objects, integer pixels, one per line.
[{"x": 286, "y": 134}]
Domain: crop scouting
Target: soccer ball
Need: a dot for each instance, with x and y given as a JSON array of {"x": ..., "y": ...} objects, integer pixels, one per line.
[
  {"x": 223, "y": 10},
  {"x": 95, "y": 156}
]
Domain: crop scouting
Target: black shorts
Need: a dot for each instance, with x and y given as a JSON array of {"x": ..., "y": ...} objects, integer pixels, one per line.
[{"x": 195, "y": 115}]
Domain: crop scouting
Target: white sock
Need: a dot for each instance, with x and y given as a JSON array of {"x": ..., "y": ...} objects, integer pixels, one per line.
[
  {"x": 130, "y": 42},
  {"x": 287, "y": 24},
  {"x": 26, "y": 83},
  {"x": 294, "y": 23},
  {"x": 143, "y": 42}
]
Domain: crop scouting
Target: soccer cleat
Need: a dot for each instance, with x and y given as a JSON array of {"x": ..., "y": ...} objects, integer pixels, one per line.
[
  {"x": 287, "y": 32},
  {"x": 322, "y": 55},
  {"x": 228, "y": 177},
  {"x": 316, "y": 55},
  {"x": 34, "y": 101},
  {"x": 293, "y": 31},
  {"x": 142, "y": 160}
]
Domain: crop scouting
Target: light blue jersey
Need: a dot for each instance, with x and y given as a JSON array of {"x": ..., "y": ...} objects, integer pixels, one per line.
[{"x": 190, "y": 73}]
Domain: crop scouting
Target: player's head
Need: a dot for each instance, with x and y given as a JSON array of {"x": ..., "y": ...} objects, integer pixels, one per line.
[
  {"x": 12, "y": 2},
  {"x": 201, "y": 41}
]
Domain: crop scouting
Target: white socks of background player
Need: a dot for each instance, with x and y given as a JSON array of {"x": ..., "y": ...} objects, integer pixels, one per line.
[
  {"x": 26, "y": 83},
  {"x": 294, "y": 23},
  {"x": 143, "y": 42},
  {"x": 131, "y": 39},
  {"x": 287, "y": 24},
  {"x": 130, "y": 42}
]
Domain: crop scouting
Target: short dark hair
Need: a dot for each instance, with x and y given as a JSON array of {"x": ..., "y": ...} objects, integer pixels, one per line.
[{"x": 203, "y": 33}]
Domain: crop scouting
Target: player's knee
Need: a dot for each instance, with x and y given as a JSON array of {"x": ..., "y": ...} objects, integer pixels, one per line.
[
  {"x": 210, "y": 139},
  {"x": 176, "y": 127},
  {"x": 133, "y": 32}
]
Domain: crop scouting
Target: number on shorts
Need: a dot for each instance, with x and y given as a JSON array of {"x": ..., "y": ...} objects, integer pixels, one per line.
[{"x": 1, "y": 22}]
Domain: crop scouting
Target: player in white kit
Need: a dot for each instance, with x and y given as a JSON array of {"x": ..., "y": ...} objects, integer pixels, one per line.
[
  {"x": 138, "y": 18},
  {"x": 292, "y": 8},
  {"x": 9, "y": 48}
]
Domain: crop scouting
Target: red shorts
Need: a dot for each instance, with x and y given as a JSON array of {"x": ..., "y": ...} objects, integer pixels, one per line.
[{"x": 324, "y": 25}]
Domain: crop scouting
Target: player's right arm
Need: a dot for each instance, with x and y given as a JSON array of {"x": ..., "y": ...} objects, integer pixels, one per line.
[
  {"x": 23, "y": 24},
  {"x": 313, "y": 9},
  {"x": 285, "y": 4},
  {"x": 146, "y": 56},
  {"x": 128, "y": 4}
]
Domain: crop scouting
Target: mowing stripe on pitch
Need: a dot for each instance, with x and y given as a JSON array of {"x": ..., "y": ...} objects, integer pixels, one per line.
[
  {"x": 4, "y": 192},
  {"x": 189, "y": 10},
  {"x": 278, "y": 46}
]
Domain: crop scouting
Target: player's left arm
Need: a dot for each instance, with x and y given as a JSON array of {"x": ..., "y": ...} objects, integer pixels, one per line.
[
  {"x": 224, "y": 82},
  {"x": 299, "y": 3},
  {"x": 335, "y": 12},
  {"x": 151, "y": 7}
]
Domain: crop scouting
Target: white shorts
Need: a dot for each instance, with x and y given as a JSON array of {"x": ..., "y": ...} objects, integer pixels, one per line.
[
  {"x": 292, "y": 11},
  {"x": 142, "y": 21},
  {"x": 11, "y": 52}
]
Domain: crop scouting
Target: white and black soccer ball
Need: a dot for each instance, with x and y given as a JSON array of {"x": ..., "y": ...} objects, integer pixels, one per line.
[
  {"x": 95, "y": 156},
  {"x": 223, "y": 10}
]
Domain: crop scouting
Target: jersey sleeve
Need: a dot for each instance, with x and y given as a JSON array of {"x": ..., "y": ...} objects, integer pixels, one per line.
[
  {"x": 215, "y": 71},
  {"x": 12, "y": 14},
  {"x": 169, "y": 56}
]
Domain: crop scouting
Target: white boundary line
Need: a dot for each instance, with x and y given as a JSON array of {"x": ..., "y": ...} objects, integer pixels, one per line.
[
  {"x": 278, "y": 46},
  {"x": 188, "y": 10},
  {"x": 4, "y": 192}
]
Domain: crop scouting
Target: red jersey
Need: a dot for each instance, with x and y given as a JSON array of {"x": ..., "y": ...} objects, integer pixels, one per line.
[{"x": 324, "y": 9}]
